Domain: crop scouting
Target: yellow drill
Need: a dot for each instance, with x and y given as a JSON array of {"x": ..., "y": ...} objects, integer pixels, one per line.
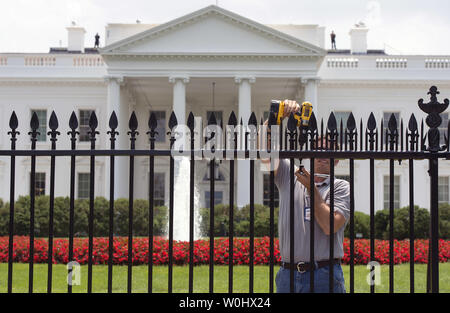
[{"x": 302, "y": 117}]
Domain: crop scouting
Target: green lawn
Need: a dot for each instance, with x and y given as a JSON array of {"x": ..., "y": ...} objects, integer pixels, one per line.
[{"x": 201, "y": 278}]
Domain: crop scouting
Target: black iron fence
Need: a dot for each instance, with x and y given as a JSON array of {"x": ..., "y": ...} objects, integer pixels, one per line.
[{"x": 365, "y": 141}]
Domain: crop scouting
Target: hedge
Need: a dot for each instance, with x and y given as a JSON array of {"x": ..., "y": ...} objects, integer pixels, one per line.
[
  {"x": 81, "y": 215},
  {"x": 221, "y": 221}
]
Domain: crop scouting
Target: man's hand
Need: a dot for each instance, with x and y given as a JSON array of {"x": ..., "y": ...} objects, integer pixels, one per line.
[
  {"x": 290, "y": 106},
  {"x": 304, "y": 178}
]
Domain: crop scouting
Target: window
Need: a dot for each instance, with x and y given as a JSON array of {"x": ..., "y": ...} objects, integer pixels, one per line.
[
  {"x": 42, "y": 117},
  {"x": 218, "y": 116},
  {"x": 443, "y": 127},
  {"x": 443, "y": 195},
  {"x": 39, "y": 184},
  {"x": 83, "y": 185},
  {"x": 161, "y": 125},
  {"x": 396, "y": 192},
  {"x": 218, "y": 198},
  {"x": 159, "y": 189},
  {"x": 85, "y": 115},
  {"x": 266, "y": 192},
  {"x": 386, "y": 117},
  {"x": 341, "y": 116},
  {"x": 218, "y": 175}
]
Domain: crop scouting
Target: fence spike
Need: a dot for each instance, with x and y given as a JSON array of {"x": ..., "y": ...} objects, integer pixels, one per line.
[
  {"x": 133, "y": 122},
  {"x": 351, "y": 123},
  {"x": 172, "y": 120},
  {"x": 113, "y": 122},
  {"x": 34, "y": 123},
  {"x": 190, "y": 121},
  {"x": 292, "y": 123},
  {"x": 93, "y": 121},
  {"x": 232, "y": 119},
  {"x": 53, "y": 122},
  {"x": 152, "y": 121},
  {"x": 212, "y": 119},
  {"x": 252, "y": 120},
  {"x": 73, "y": 121},
  {"x": 13, "y": 122}
]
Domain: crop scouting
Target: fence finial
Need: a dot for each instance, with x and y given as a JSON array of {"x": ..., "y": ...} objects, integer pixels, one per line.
[{"x": 433, "y": 108}]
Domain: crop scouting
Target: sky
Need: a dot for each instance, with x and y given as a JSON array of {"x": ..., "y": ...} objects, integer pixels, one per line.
[{"x": 408, "y": 27}]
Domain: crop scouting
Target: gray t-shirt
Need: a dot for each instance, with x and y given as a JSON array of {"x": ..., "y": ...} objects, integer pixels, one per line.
[{"x": 302, "y": 220}]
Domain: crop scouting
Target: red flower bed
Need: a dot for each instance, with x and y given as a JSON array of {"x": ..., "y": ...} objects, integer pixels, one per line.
[{"x": 201, "y": 251}]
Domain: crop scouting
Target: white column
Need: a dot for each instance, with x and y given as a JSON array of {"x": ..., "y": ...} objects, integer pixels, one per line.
[
  {"x": 179, "y": 97},
  {"x": 115, "y": 103},
  {"x": 311, "y": 93},
  {"x": 243, "y": 166}
]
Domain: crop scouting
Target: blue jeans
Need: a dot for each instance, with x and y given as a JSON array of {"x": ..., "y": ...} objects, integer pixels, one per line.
[{"x": 301, "y": 280}]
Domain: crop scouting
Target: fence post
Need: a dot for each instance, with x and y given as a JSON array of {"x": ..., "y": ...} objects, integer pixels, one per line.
[{"x": 433, "y": 120}]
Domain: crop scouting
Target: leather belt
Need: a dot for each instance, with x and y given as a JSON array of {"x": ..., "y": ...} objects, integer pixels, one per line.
[{"x": 303, "y": 267}]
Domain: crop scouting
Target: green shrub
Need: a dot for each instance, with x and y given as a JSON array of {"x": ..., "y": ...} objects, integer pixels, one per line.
[
  {"x": 362, "y": 225},
  {"x": 241, "y": 221},
  {"x": 81, "y": 217}
]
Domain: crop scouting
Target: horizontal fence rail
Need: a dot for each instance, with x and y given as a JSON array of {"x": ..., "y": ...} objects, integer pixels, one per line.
[{"x": 325, "y": 140}]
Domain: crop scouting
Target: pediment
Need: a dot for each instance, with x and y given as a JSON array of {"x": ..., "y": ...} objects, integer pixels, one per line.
[{"x": 212, "y": 31}]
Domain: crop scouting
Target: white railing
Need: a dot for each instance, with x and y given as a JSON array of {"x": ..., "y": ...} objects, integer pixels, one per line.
[
  {"x": 342, "y": 62},
  {"x": 40, "y": 60},
  {"x": 87, "y": 61},
  {"x": 437, "y": 63},
  {"x": 391, "y": 63}
]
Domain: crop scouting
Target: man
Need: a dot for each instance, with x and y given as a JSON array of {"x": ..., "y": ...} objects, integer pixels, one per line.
[
  {"x": 333, "y": 40},
  {"x": 302, "y": 191},
  {"x": 97, "y": 41}
]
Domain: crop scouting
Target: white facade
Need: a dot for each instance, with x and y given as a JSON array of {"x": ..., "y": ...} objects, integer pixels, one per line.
[{"x": 172, "y": 66}]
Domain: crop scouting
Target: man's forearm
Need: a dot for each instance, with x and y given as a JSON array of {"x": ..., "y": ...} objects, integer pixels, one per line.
[{"x": 322, "y": 213}]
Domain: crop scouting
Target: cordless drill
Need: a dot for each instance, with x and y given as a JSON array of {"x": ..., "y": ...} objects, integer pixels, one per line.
[{"x": 302, "y": 117}]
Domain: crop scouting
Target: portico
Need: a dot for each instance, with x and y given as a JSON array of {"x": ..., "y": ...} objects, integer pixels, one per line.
[{"x": 172, "y": 67}]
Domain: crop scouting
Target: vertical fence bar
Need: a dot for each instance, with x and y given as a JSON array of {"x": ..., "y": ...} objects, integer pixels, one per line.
[
  {"x": 411, "y": 226},
  {"x": 231, "y": 230},
  {"x": 370, "y": 134},
  {"x": 212, "y": 165},
  {"x": 93, "y": 123},
  {"x": 252, "y": 124},
  {"x": 13, "y": 124},
  {"x": 232, "y": 122},
  {"x": 292, "y": 127},
  {"x": 271, "y": 121},
  {"x": 73, "y": 123},
  {"x": 434, "y": 219},
  {"x": 211, "y": 224},
  {"x": 252, "y": 226},
  {"x": 53, "y": 123},
  {"x": 34, "y": 126},
  {"x": 152, "y": 124},
  {"x": 190, "y": 124},
  {"x": 172, "y": 123},
  {"x": 332, "y": 137},
  {"x": 352, "y": 225},
  {"x": 113, "y": 123},
  {"x": 351, "y": 137},
  {"x": 312, "y": 225},
  {"x": 133, "y": 124},
  {"x": 391, "y": 225}
]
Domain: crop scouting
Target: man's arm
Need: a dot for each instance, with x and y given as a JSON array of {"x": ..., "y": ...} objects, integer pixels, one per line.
[
  {"x": 289, "y": 107},
  {"x": 321, "y": 208}
]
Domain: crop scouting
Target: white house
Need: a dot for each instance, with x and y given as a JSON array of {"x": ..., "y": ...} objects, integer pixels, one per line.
[{"x": 174, "y": 66}]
